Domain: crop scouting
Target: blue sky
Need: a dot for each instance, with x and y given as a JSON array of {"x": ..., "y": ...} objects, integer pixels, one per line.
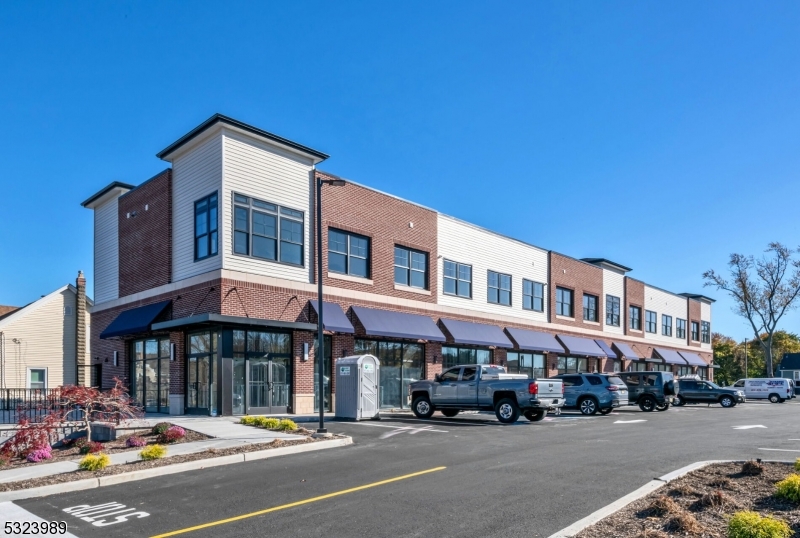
[{"x": 661, "y": 135}]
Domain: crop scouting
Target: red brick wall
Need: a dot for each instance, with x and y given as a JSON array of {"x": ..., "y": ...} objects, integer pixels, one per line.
[
  {"x": 694, "y": 315},
  {"x": 145, "y": 237},
  {"x": 385, "y": 220},
  {"x": 580, "y": 277},
  {"x": 634, "y": 296}
]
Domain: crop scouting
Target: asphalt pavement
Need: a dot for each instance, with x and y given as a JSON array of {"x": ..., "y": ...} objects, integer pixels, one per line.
[{"x": 466, "y": 476}]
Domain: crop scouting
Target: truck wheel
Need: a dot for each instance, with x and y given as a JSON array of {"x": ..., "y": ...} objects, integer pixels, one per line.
[
  {"x": 678, "y": 401},
  {"x": 507, "y": 411},
  {"x": 606, "y": 411},
  {"x": 450, "y": 413},
  {"x": 726, "y": 401},
  {"x": 422, "y": 407},
  {"x": 647, "y": 404},
  {"x": 662, "y": 407},
  {"x": 774, "y": 398},
  {"x": 587, "y": 406},
  {"x": 535, "y": 415}
]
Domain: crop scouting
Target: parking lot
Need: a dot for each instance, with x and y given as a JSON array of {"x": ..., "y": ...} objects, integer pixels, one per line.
[{"x": 465, "y": 476}]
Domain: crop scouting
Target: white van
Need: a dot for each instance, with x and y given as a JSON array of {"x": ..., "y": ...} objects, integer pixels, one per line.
[{"x": 775, "y": 389}]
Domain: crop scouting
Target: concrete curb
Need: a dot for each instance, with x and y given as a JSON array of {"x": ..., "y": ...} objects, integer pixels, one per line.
[
  {"x": 619, "y": 504},
  {"x": 91, "y": 483}
]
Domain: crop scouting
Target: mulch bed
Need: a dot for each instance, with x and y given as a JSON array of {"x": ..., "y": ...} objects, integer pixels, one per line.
[
  {"x": 700, "y": 504},
  {"x": 169, "y": 460},
  {"x": 72, "y": 452}
]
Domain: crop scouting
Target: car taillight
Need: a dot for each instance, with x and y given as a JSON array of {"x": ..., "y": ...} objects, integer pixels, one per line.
[
  {"x": 533, "y": 388},
  {"x": 613, "y": 388}
]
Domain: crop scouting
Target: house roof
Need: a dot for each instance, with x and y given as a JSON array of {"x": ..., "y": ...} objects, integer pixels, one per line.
[
  {"x": 105, "y": 190},
  {"x": 219, "y": 118},
  {"x": 6, "y": 310},
  {"x": 790, "y": 361},
  {"x": 604, "y": 261},
  {"x": 14, "y": 315},
  {"x": 698, "y": 297}
]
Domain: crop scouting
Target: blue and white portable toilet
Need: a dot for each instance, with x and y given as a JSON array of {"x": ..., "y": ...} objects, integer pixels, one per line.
[{"x": 357, "y": 387}]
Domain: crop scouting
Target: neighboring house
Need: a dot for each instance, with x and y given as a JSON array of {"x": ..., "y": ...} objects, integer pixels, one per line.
[
  {"x": 41, "y": 343},
  {"x": 205, "y": 296},
  {"x": 790, "y": 366}
]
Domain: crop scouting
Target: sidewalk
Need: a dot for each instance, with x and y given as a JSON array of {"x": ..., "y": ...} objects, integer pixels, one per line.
[{"x": 225, "y": 431}]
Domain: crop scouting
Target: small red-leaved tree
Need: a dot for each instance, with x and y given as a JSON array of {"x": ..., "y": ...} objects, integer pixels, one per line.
[
  {"x": 31, "y": 435},
  {"x": 93, "y": 405}
]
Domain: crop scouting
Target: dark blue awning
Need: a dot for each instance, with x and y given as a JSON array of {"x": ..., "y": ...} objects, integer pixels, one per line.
[
  {"x": 625, "y": 351},
  {"x": 397, "y": 324},
  {"x": 534, "y": 340},
  {"x": 134, "y": 321},
  {"x": 669, "y": 356},
  {"x": 333, "y": 318},
  {"x": 692, "y": 358},
  {"x": 476, "y": 334},
  {"x": 607, "y": 350},
  {"x": 581, "y": 346}
]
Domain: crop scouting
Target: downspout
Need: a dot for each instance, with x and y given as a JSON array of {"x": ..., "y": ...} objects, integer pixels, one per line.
[{"x": 2, "y": 360}]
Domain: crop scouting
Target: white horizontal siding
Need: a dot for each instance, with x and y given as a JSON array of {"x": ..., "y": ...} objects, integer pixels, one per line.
[
  {"x": 484, "y": 251},
  {"x": 195, "y": 174},
  {"x": 46, "y": 340},
  {"x": 614, "y": 284},
  {"x": 663, "y": 302},
  {"x": 106, "y": 251},
  {"x": 258, "y": 170},
  {"x": 705, "y": 315}
]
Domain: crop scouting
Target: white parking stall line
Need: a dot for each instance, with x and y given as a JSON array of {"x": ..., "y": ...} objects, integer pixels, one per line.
[
  {"x": 750, "y": 427},
  {"x": 779, "y": 450},
  {"x": 629, "y": 421}
]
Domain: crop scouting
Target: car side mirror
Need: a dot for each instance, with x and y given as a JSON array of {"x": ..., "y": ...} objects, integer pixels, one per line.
[{"x": 437, "y": 378}]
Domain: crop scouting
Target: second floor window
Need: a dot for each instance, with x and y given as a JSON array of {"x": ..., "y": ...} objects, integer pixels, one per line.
[
  {"x": 410, "y": 267},
  {"x": 706, "y": 332},
  {"x": 206, "y": 238},
  {"x": 499, "y": 286},
  {"x": 666, "y": 325},
  {"x": 348, "y": 253},
  {"x": 589, "y": 307},
  {"x": 650, "y": 321},
  {"x": 695, "y": 331},
  {"x": 612, "y": 310},
  {"x": 635, "y": 314},
  {"x": 564, "y": 302},
  {"x": 267, "y": 231},
  {"x": 680, "y": 328},
  {"x": 533, "y": 296},
  {"x": 457, "y": 279}
]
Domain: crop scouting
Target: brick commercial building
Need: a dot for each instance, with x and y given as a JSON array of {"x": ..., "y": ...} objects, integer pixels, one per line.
[{"x": 205, "y": 288}]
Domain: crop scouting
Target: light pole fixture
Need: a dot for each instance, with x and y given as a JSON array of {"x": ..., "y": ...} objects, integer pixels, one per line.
[{"x": 320, "y": 339}]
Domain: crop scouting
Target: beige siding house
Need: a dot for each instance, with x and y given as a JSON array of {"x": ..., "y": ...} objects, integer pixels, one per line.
[{"x": 39, "y": 342}]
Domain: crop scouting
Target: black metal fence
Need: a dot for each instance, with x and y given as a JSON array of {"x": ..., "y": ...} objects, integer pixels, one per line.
[{"x": 32, "y": 403}]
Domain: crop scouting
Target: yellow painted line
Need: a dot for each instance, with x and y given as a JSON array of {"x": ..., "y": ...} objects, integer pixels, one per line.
[{"x": 297, "y": 503}]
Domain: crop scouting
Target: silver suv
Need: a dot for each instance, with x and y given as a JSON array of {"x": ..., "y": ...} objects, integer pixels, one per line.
[{"x": 591, "y": 393}]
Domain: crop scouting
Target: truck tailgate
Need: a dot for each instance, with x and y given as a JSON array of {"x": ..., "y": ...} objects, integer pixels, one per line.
[{"x": 550, "y": 388}]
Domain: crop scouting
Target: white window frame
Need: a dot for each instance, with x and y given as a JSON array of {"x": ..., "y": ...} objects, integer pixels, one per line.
[{"x": 28, "y": 371}]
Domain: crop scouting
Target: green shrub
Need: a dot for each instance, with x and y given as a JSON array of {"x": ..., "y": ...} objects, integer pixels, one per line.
[
  {"x": 153, "y": 452},
  {"x": 285, "y": 424},
  {"x": 752, "y": 525},
  {"x": 270, "y": 423},
  {"x": 789, "y": 488},
  {"x": 94, "y": 462},
  {"x": 161, "y": 427},
  {"x": 248, "y": 420},
  {"x": 797, "y": 464}
]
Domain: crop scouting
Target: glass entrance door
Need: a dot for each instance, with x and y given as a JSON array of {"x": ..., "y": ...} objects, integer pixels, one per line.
[
  {"x": 201, "y": 374},
  {"x": 267, "y": 384}
]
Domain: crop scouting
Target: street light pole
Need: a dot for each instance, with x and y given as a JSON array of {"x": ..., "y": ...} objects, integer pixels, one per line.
[
  {"x": 745, "y": 358},
  {"x": 320, "y": 354}
]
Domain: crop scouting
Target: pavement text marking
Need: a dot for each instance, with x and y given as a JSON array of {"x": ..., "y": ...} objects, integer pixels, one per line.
[{"x": 97, "y": 514}]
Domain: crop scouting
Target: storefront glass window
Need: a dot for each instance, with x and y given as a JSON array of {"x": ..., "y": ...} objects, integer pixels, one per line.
[
  {"x": 150, "y": 374},
  {"x": 400, "y": 365},
  {"x": 571, "y": 365},
  {"x": 530, "y": 364},
  {"x": 453, "y": 356}
]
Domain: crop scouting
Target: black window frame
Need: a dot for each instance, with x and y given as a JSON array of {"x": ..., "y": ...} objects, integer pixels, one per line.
[
  {"x": 589, "y": 309},
  {"x": 409, "y": 269},
  {"x": 565, "y": 292},
  {"x": 680, "y": 328},
  {"x": 460, "y": 350},
  {"x": 457, "y": 280},
  {"x": 281, "y": 214},
  {"x": 635, "y": 321},
  {"x": 348, "y": 254},
  {"x": 651, "y": 325},
  {"x": 705, "y": 332},
  {"x": 563, "y": 365},
  {"x": 515, "y": 363},
  {"x": 666, "y": 325},
  {"x": 211, "y": 235},
  {"x": 499, "y": 290},
  {"x": 695, "y": 331},
  {"x": 529, "y": 300},
  {"x": 613, "y": 312}
]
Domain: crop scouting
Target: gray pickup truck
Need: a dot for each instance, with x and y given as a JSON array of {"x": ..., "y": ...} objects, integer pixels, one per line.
[{"x": 486, "y": 388}]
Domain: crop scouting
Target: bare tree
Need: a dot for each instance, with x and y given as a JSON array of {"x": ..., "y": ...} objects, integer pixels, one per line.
[{"x": 763, "y": 290}]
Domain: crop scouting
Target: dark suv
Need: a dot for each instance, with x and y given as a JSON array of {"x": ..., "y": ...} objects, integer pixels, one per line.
[
  {"x": 649, "y": 390},
  {"x": 591, "y": 393},
  {"x": 695, "y": 390}
]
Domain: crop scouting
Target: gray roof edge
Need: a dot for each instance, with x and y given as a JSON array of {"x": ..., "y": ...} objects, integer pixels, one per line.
[
  {"x": 104, "y": 190},
  {"x": 595, "y": 261},
  {"x": 220, "y": 118}
]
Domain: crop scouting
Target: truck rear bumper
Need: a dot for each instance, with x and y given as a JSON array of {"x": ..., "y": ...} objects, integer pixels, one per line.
[{"x": 546, "y": 403}]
